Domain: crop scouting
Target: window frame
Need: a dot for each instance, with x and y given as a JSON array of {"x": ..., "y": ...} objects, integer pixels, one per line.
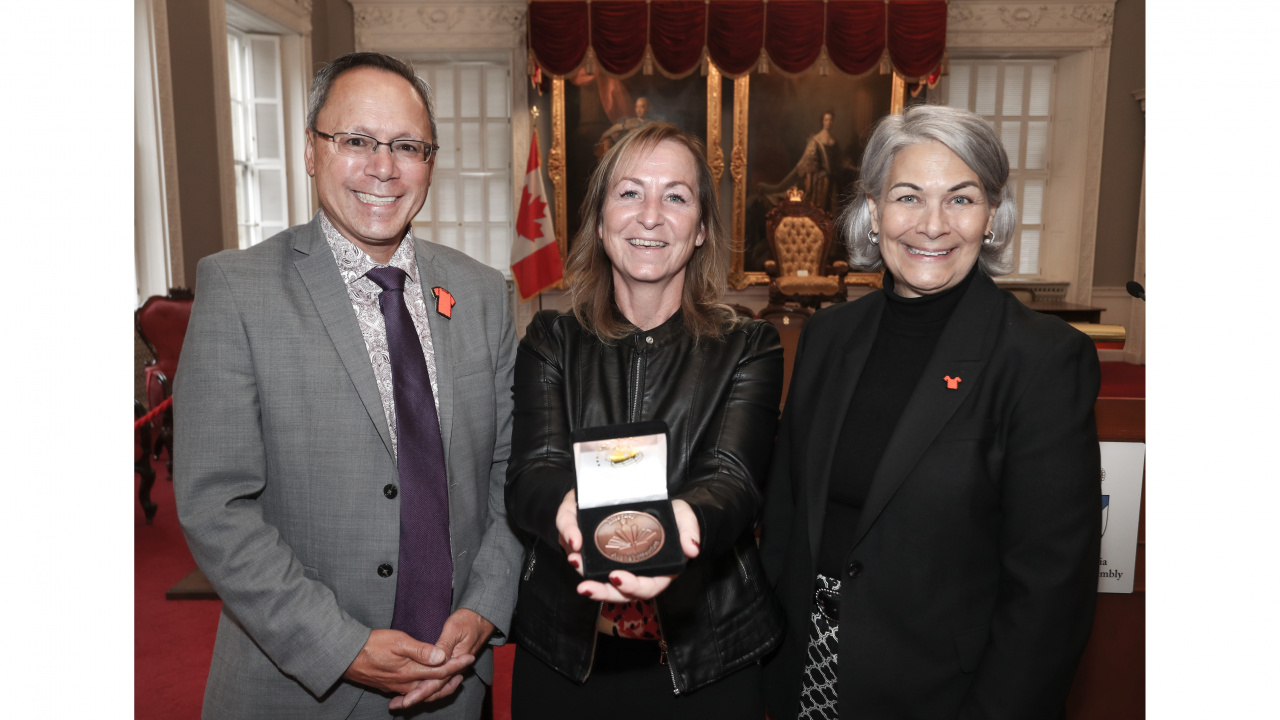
[
  {"x": 251, "y": 168},
  {"x": 1019, "y": 174},
  {"x": 292, "y": 26},
  {"x": 493, "y": 129}
]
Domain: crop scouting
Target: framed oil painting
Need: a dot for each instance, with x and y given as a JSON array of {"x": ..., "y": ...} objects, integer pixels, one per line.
[{"x": 806, "y": 131}]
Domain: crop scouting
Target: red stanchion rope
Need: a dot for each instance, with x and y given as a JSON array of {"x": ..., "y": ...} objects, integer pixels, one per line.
[{"x": 154, "y": 412}]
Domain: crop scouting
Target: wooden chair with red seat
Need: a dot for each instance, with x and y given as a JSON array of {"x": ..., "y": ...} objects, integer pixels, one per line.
[
  {"x": 800, "y": 236},
  {"x": 162, "y": 324}
]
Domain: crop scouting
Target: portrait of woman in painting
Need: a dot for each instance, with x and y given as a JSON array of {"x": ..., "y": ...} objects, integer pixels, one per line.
[{"x": 822, "y": 170}]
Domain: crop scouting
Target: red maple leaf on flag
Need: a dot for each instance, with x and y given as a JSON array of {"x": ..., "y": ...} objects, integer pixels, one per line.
[{"x": 532, "y": 209}]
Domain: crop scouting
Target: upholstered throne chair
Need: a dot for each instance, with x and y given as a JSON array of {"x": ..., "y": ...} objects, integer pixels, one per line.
[{"x": 801, "y": 272}]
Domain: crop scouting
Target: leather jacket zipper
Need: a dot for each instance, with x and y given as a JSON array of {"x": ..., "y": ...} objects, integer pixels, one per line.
[
  {"x": 742, "y": 565},
  {"x": 533, "y": 560},
  {"x": 637, "y": 382},
  {"x": 665, "y": 657}
]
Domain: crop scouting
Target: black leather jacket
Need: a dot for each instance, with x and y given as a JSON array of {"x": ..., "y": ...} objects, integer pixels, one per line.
[{"x": 719, "y": 399}]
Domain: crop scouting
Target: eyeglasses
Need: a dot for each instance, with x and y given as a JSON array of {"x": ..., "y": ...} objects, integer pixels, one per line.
[{"x": 363, "y": 146}]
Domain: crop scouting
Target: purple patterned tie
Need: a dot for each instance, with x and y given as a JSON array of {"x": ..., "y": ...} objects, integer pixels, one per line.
[{"x": 424, "y": 585}]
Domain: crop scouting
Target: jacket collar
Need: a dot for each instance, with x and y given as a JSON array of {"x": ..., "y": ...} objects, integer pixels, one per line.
[
  {"x": 833, "y": 403},
  {"x": 319, "y": 271},
  {"x": 962, "y": 350},
  {"x": 433, "y": 273},
  {"x": 669, "y": 332}
]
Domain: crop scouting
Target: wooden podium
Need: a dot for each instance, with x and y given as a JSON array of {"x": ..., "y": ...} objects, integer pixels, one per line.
[{"x": 1111, "y": 680}]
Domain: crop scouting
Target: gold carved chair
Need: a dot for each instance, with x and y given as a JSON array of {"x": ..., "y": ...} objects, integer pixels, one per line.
[{"x": 801, "y": 272}]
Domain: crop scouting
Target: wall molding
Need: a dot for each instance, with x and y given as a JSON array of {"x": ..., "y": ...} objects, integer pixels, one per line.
[
  {"x": 1052, "y": 23},
  {"x": 1041, "y": 291},
  {"x": 292, "y": 15},
  {"x": 448, "y": 25}
]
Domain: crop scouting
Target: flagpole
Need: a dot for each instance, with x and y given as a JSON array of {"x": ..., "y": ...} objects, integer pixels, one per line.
[{"x": 533, "y": 138}]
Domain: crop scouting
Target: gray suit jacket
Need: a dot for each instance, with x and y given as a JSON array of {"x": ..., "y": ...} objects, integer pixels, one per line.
[{"x": 282, "y": 454}]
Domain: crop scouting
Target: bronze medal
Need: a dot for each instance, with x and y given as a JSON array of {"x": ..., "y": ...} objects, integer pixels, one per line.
[{"x": 629, "y": 536}]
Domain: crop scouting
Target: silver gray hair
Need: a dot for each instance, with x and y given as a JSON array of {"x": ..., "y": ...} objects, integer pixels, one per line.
[
  {"x": 965, "y": 134},
  {"x": 327, "y": 75}
]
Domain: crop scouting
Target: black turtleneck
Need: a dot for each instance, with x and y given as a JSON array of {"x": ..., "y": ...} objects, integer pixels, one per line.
[{"x": 909, "y": 331}]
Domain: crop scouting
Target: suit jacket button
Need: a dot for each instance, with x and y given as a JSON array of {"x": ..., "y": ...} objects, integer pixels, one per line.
[
  {"x": 390, "y": 491},
  {"x": 855, "y": 569},
  {"x": 384, "y": 570}
]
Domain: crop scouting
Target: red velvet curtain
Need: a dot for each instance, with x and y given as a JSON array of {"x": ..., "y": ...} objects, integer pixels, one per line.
[
  {"x": 917, "y": 35},
  {"x": 619, "y": 32},
  {"x": 558, "y": 34},
  {"x": 792, "y": 32},
  {"x": 677, "y": 33},
  {"x": 735, "y": 34},
  {"x": 856, "y": 34}
]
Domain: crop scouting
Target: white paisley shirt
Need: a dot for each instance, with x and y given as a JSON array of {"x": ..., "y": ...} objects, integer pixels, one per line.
[{"x": 353, "y": 264}]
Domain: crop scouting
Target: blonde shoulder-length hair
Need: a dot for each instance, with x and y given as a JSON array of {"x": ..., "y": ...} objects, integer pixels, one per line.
[{"x": 589, "y": 272}]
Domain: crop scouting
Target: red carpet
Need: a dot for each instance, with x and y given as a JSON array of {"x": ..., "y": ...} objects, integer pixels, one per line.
[{"x": 173, "y": 639}]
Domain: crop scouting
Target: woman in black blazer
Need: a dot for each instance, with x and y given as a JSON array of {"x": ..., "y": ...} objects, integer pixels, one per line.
[{"x": 932, "y": 518}]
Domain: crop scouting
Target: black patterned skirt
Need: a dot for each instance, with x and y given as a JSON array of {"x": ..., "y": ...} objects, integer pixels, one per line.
[{"x": 818, "y": 688}]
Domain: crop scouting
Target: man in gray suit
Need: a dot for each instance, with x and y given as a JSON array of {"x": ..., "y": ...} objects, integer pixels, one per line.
[{"x": 343, "y": 419}]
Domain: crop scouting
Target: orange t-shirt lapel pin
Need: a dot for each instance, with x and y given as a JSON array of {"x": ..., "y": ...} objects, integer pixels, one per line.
[
  {"x": 953, "y": 383},
  {"x": 444, "y": 301}
]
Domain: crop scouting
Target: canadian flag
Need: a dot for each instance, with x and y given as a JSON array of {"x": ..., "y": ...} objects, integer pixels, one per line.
[{"x": 535, "y": 256}]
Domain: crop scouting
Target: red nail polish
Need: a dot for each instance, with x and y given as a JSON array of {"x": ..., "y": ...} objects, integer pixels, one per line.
[
  {"x": 584, "y": 593},
  {"x": 574, "y": 563},
  {"x": 617, "y": 582}
]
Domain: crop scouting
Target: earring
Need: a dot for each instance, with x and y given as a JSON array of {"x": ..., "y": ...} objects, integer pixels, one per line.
[
  {"x": 874, "y": 237},
  {"x": 988, "y": 237}
]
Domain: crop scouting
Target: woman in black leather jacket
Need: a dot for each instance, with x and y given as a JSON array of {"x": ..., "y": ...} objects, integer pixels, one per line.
[{"x": 647, "y": 340}]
